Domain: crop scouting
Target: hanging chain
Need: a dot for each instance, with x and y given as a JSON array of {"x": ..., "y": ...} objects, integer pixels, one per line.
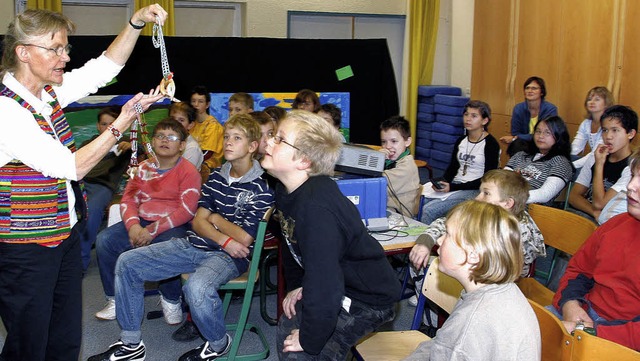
[
  {"x": 158, "y": 42},
  {"x": 140, "y": 123}
]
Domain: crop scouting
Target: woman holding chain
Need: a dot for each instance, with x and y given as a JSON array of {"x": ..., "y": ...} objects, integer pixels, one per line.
[
  {"x": 474, "y": 154},
  {"x": 43, "y": 209}
]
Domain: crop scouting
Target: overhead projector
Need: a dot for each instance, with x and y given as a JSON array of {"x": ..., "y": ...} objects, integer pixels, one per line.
[{"x": 360, "y": 159}]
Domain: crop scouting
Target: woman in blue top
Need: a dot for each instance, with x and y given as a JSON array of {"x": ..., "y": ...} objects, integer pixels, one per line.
[{"x": 526, "y": 115}]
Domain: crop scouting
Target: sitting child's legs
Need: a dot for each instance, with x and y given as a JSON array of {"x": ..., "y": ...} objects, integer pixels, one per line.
[{"x": 201, "y": 293}]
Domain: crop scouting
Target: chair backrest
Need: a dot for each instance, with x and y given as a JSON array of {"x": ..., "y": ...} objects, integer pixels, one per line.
[
  {"x": 562, "y": 230},
  {"x": 419, "y": 203},
  {"x": 441, "y": 289},
  {"x": 556, "y": 341},
  {"x": 589, "y": 347}
]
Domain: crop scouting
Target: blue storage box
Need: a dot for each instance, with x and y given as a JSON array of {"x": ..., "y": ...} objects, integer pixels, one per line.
[
  {"x": 368, "y": 194},
  {"x": 431, "y": 90}
]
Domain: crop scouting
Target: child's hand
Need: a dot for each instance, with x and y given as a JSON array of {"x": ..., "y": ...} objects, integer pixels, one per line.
[
  {"x": 601, "y": 153},
  {"x": 236, "y": 249},
  {"x": 292, "y": 342},
  {"x": 419, "y": 256},
  {"x": 387, "y": 153},
  {"x": 124, "y": 146},
  {"x": 572, "y": 313},
  {"x": 444, "y": 189},
  {"x": 289, "y": 302}
]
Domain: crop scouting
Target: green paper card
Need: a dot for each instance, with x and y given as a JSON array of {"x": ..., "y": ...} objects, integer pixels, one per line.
[{"x": 344, "y": 73}]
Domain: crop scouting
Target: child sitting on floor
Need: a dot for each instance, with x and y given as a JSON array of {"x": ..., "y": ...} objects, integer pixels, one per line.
[{"x": 492, "y": 320}]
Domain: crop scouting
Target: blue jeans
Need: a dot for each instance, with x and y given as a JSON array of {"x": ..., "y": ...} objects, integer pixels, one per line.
[
  {"x": 114, "y": 241},
  {"x": 361, "y": 320},
  {"x": 590, "y": 311},
  {"x": 209, "y": 270},
  {"x": 98, "y": 198},
  {"x": 435, "y": 208}
]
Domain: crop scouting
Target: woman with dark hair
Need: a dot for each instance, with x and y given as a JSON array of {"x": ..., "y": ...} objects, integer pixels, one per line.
[
  {"x": 547, "y": 166},
  {"x": 308, "y": 100},
  {"x": 526, "y": 115}
]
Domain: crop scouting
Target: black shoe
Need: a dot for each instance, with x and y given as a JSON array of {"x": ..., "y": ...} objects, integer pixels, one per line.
[
  {"x": 187, "y": 332},
  {"x": 204, "y": 352},
  {"x": 121, "y": 352}
]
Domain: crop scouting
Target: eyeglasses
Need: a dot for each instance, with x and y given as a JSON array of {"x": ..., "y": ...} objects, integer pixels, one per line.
[
  {"x": 544, "y": 133},
  {"x": 171, "y": 138},
  {"x": 58, "y": 51},
  {"x": 534, "y": 88},
  {"x": 278, "y": 139}
]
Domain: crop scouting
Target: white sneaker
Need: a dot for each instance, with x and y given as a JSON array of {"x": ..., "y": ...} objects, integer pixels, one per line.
[
  {"x": 413, "y": 300},
  {"x": 172, "y": 312},
  {"x": 108, "y": 312}
]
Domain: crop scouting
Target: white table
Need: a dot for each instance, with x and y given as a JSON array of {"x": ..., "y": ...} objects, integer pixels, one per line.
[{"x": 400, "y": 239}]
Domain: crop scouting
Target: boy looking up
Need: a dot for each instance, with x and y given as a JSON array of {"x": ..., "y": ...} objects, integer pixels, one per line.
[
  {"x": 207, "y": 130},
  {"x": 234, "y": 200},
  {"x": 341, "y": 286},
  {"x": 403, "y": 181},
  {"x": 593, "y": 187},
  {"x": 492, "y": 320},
  {"x": 240, "y": 103},
  {"x": 185, "y": 114},
  {"x": 156, "y": 206}
]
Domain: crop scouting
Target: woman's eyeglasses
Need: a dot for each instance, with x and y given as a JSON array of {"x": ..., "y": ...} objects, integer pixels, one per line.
[
  {"x": 278, "y": 139},
  {"x": 58, "y": 51}
]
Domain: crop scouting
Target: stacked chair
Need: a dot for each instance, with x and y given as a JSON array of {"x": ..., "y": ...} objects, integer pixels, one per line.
[{"x": 439, "y": 123}]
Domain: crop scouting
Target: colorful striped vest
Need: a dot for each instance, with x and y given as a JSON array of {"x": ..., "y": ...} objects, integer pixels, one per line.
[{"x": 34, "y": 208}]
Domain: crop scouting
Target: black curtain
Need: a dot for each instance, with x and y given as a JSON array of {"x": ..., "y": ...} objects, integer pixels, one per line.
[{"x": 262, "y": 65}]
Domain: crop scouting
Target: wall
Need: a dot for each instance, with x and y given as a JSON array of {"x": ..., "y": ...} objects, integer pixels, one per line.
[
  {"x": 268, "y": 18},
  {"x": 462, "y": 14}
]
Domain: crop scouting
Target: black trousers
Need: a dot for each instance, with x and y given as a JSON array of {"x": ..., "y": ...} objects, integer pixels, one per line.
[{"x": 41, "y": 300}]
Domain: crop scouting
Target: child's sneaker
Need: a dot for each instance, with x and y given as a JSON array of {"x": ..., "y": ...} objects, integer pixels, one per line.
[
  {"x": 205, "y": 353},
  {"x": 172, "y": 311},
  {"x": 108, "y": 312},
  {"x": 121, "y": 352}
]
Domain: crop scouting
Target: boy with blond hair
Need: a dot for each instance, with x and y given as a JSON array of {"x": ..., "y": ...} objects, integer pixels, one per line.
[
  {"x": 234, "y": 200},
  {"x": 492, "y": 320},
  {"x": 341, "y": 286},
  {"x": 240, "y": 103},
  {"x": 506, "y": 189}
]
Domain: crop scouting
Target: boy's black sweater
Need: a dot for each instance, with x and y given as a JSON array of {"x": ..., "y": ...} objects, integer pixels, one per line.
[{"x": 331, "y": 256}]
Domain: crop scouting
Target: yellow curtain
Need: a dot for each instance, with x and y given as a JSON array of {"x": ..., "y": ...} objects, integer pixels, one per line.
[
  {"x": 423, "y": 16},
  {"x": 53, "y": 5},
  {"x": 169, "y": 28}
]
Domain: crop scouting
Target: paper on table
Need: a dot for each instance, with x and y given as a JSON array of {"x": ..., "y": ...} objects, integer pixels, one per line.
[{"x": 429, "y": 192}]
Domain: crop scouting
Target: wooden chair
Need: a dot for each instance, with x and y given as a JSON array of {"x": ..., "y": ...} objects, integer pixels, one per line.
[
  {"x": 440, "y": 289},
  {"x": 556, "y": 341},
  {"x": 562, "y": 230},
  {"x": 246, "y": 283},
  {"x": 587, "y": 347}
]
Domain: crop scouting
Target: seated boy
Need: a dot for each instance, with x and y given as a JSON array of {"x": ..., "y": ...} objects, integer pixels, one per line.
[
  {"x": 185, "y": 114},
  {"x": 492, "y": 320},
  {"x": 267, "y": 130},
  {"x": 240, "y": 103},
  {"x": 207, "y": 130},
  {"x": 234, "y": 200},
  {"x": 157, "y": 205},
  {"x": 403, "y": 181},
  {"x": 506, "y": 189},
  {"x": 332, "y": 114},
  {"x": 101, "y": 182},
  {"x": 601, "y": 286},
  {"x": 593, "y": 187},
  {"x": 341, "y": 286}
]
